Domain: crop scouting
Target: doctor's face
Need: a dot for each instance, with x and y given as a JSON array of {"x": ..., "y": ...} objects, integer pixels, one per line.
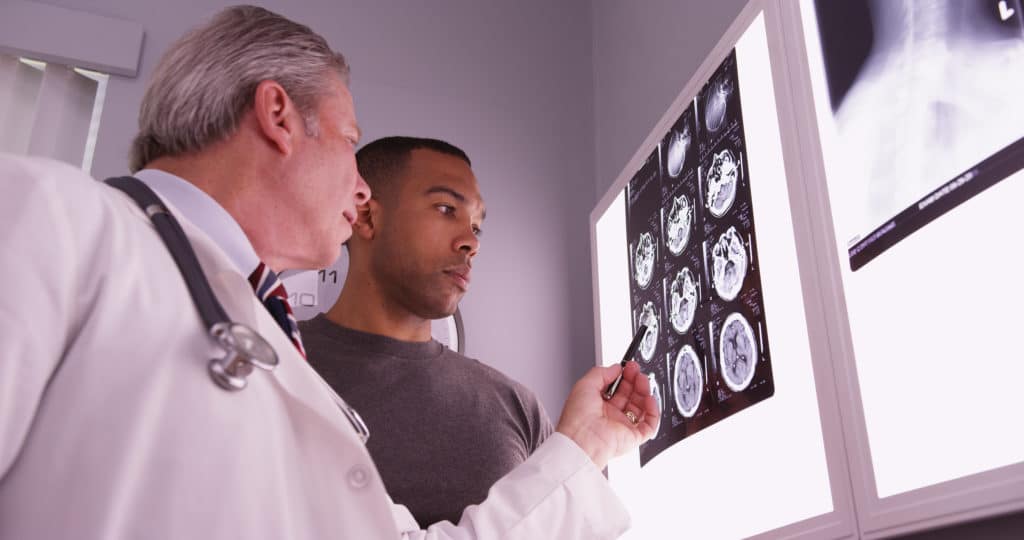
[
  {"x": 326, "y": 188},
  {"x": 428, "y": 232}
]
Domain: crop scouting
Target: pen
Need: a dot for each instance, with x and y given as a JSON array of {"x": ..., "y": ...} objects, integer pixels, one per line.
[{"x": 630, "y": 351}]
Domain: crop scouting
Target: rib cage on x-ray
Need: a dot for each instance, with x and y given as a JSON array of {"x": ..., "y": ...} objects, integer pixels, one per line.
[{"x": 927, "y": 104}]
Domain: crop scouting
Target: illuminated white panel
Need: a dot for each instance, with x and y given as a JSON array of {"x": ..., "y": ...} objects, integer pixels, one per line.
[
  {"x": 765, "y": 467},
  {"x": 933, "y": 319},
  {"x": 612, "y": 280}
]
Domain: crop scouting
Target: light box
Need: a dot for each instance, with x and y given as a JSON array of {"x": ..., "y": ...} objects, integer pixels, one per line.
[
  {"x": 696, "y": 238},
  {"x": 914, "y": 123}
]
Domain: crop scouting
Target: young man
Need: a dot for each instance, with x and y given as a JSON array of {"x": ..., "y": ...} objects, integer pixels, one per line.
[
  {"x": 111, "y": 425},
  {"x": 410, "y": 261}
]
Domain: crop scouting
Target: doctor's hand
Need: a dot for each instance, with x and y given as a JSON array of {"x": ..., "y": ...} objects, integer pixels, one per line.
[{"x": 605, "y": 429}]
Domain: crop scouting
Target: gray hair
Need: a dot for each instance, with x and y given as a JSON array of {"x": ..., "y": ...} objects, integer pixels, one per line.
[{"x": 206, "y": 81}]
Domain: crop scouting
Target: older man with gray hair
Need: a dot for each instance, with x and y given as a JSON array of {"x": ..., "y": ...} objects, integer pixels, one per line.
[{"x": 114, "y": 421}]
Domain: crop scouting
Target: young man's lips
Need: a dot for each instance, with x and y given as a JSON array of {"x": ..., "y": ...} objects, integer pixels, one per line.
[
  {"x": 461, "y": 278},
  {"x": 349, "y": 217}
]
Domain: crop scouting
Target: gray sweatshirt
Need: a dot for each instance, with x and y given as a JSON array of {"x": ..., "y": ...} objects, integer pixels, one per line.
[{"x": 443, "y": 427}]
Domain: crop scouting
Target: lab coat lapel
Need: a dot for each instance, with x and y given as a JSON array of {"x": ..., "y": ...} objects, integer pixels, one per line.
[{"x": 293, "y": 375}]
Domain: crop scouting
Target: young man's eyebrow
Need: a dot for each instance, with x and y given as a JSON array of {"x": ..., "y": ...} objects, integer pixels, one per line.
[{"x": 442, "y": 189}]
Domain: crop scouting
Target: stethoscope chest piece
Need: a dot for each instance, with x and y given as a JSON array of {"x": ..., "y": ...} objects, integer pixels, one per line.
[
  {"x": 243, "y": 347},
  {"x": 243, "y": 350}
]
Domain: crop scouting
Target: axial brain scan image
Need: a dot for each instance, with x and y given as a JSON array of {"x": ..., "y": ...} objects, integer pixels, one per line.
[
  {"x": 652, "y": 380},
  {"x": 683, "y": 300},
  {"x": 643, "y": 260},
  {"x": 723, "y": 177},
  {"x": 737, "y": 352},
  {"x": 678, "y": 224},
  {"x": 649, "y": 318},
  {"x": 678, "y": 147},
  {"x": 729, "y": 264},
  {"x": 689, "y": 380},
  {"x": 715, "y": 104}
]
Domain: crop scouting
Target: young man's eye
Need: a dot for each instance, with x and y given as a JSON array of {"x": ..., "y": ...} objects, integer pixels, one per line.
[
  {"x": 478, "y": 232},
  {"x": 446, "y": 209}
]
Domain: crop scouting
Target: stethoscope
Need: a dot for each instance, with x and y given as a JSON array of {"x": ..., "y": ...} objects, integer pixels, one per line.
[{"x": 244, "y": 349}]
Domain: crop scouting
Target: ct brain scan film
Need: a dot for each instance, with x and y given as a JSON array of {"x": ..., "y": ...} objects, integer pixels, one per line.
[
  {"x": 683, "y": 300},
  {"x": 678, "y": 147},
  {"x": 737, "y": 352},
  {"x": 649, "y": 318},
  {"x": 716, "y": 103},
  {"x": 689, "y": 379},
  {"x": 644, "y": 261},
  {"x": 691, "y": 197},
  {"x": 729, "y": 264},
  {"x": 678, "y": 224},
  {"x": 723, "y": 176},
  {"x": 652, "y": 380}
]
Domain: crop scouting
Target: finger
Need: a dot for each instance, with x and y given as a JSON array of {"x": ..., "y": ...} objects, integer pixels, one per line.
[
  {"x": 631, "y": 417},
  {"x": 650, "y": 406},
  {"x": 636, "y": 377},
  {"x": 638, "y": 413},
  {"x": 630, "y": 370},
  {"x": 649, "y": 425},
  {"x": 634, "y": 387},
  {"x": 640, "y": 381},
  {"x": 651, "y": 416},
  {"x": 599, "y": 377},
  {"x": 622, "y": 394},
  {"x": 607, "y": 374},
  {"x": 639, "y": 400}
]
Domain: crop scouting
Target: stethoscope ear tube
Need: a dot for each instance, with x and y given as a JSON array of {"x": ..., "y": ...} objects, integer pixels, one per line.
[{"x": 244, "y": 348}]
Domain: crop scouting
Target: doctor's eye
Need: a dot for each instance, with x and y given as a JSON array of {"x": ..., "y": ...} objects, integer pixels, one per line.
[{"x": 446, "y": 209}]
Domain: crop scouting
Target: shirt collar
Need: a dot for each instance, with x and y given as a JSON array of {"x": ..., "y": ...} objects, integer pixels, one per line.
[{"x": 204, "y": 212}]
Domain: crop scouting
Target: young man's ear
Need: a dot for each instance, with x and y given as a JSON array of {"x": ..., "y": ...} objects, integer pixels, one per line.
[
  {"x": 276, "y": 115},
  {"x": 367, "y": 219}
]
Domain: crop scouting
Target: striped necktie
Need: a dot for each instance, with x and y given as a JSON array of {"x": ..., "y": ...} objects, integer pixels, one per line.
[{"x": 270, "y": 291}]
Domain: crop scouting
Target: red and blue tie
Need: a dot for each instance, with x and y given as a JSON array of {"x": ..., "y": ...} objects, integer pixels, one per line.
[{"x": 271, "y": 292}]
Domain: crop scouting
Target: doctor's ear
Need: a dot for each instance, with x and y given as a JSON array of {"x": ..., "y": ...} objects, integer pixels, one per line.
[
  {"x": 277, "y": 116},
  {"x": 367, "y": 218}
]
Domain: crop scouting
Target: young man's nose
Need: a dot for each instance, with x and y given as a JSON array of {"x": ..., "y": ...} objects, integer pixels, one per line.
[{"x": 362, "y": 190}]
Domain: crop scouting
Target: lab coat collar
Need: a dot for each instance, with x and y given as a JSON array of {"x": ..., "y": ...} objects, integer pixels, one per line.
[{"x": 206, "y": 213}]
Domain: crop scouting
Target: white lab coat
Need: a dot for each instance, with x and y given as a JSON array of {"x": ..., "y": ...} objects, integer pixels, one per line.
[{"x": 110, "y": 426}]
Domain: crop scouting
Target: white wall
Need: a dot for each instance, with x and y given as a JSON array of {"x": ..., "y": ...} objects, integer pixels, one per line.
[{"x": 510, "y": 83}]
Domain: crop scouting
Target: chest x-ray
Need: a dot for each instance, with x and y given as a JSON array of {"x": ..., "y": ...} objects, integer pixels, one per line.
[
  {"x": 926, "y": 99},
  {"x": 920, "y": 116}
]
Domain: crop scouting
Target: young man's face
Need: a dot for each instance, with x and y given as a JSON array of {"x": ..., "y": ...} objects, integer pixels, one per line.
[{"x": 428, "y": 232}]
